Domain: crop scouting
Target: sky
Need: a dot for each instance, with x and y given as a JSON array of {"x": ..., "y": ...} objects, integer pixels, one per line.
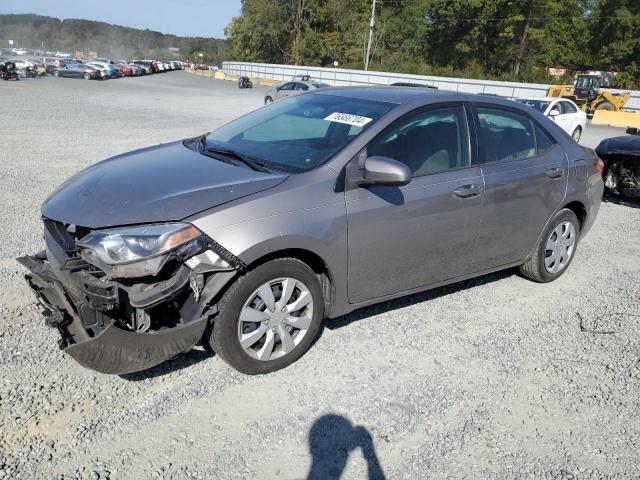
[{"x": 189, "y": 18}]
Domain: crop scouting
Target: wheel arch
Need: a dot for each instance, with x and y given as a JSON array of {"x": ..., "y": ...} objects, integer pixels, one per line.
[
  {"x": 313, "y": 261},
  {"x": 579, "y": 209}
]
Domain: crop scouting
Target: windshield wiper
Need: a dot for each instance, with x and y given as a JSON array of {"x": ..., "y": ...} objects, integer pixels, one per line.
[{"x": 248, "y": 161}]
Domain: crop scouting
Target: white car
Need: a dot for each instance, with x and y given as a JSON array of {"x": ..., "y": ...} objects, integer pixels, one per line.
[{"x": 564, "y": 112}]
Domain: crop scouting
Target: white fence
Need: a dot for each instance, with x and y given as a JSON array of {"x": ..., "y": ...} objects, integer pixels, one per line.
[{"x": 343, "y": 77}]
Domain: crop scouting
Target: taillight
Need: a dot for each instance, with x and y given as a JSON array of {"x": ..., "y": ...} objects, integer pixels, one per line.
[{"x": 598, "y": 164}]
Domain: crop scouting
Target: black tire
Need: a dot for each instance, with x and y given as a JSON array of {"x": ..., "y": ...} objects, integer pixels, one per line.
[
  {"x": 268, "y": 100},
  {"x": 534, "y": 268},
  {"x": 606, "y": 106},
  {"x": 223, "y": 336},
  {"x": 577, "y": 133}
]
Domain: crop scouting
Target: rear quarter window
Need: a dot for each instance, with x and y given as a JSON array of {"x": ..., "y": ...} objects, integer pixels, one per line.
[{"x": 544, "y": 141}]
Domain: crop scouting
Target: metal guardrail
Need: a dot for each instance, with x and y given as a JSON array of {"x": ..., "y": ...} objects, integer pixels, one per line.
[{"x": 344, "y": 77}]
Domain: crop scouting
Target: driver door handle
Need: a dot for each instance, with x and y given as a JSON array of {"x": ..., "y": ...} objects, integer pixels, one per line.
[
  {"x": 468, "y": 191},
  {"x": 555, "y": 172}
]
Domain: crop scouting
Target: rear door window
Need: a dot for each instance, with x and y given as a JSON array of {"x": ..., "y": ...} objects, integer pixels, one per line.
[{"x": 504, "y": 135}]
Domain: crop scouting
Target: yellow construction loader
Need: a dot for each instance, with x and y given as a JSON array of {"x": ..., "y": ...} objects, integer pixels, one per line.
[{"x": 587, "y": 95}]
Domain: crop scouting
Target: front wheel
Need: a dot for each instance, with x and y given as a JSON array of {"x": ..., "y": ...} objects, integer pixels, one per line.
[
  {"x": 269, "y": 317},
  {"x": 555, "y": 250},
  {"x": 606, "y": 106}
]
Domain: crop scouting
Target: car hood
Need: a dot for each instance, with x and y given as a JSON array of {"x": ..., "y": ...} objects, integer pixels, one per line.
[
  {"x": 627, "y": 145},
  {"x": 163, "y": 183}
]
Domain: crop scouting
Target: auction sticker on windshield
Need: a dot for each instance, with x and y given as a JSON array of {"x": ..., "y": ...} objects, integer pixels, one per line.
[{"x": 348, "y": 119}]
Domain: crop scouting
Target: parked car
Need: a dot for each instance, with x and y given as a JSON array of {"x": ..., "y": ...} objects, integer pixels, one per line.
[
  {"x": 52, "y": 63},
  {"x": 563, "y": 111},
  {"x": 152, "y": 67},
  {"x": 128, "y": 70},
  {"x": 101, "y": 69},
  {"x": 23, "y": 68},
  {"x": 289, "y": 89},
  {"x": 144, "y": 68},
  {"x": 245, "y": 238},
  {"x": 21, "y": 63},
  {"x": 621, "y": 157},
  {"x": 78, "y": 70},
  {"x": 8, "y": 70},
  {"x": 110, "y": 70}
]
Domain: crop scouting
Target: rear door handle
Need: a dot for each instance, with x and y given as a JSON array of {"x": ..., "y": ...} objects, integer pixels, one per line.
[
  {"x": 555, "y": 172},
  {"x": 468, "y": 191}
]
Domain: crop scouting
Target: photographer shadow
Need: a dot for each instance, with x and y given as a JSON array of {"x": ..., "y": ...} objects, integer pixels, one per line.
[{"x": 332, "y": 438}]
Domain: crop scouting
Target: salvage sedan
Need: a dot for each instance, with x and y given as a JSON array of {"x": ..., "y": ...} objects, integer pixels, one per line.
[
  {"x": 246, "y": 238},
  {"x": 621, "y": 156}
]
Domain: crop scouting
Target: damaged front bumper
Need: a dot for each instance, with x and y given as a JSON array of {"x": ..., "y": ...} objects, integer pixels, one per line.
[{"x": 97, "y": 317}]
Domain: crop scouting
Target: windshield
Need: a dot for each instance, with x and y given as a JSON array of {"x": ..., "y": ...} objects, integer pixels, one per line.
[
  {"x": 587, "y": 82},
  {"x": 540, "y": 105},
  {"x": 299, "y": 133}
]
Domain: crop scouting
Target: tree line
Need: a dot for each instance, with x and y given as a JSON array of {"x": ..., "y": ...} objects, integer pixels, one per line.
[
  {"x": 494, "y": 39},
  {"x": 111, "y": 41}
]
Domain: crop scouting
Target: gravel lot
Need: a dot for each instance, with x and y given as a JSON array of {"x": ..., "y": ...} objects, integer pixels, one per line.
[{"x": 491, "y": 378}]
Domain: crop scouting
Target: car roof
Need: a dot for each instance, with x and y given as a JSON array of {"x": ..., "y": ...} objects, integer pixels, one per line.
[
  {"x": 397, "y": 95},
  {"x": 402, "y": 95}
]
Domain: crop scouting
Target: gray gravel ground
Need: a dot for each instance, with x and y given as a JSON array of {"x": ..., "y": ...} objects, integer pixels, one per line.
[{"x": 490, "y": 378}]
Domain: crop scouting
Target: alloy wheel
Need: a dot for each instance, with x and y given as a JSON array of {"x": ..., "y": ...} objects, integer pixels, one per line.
[
  {"x": 560, "y": 247},
  {"x": 275, "y": 318}
]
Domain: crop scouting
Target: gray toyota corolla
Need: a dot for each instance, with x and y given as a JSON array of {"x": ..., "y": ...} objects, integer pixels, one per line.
[{"x": 246, "y": 238}]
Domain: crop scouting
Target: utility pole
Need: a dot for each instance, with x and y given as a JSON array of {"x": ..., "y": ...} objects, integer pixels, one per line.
[{"x": 371, "y": 24}]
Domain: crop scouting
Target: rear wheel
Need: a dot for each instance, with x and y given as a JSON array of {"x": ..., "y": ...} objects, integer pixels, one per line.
[
  {"x": 555, "y": 250},
  {"x": 606, "y": 106},
  {"x": 269, "y": 317},
  {"x": 87, "y": 76},
  {"x": 576, "y": 134}
]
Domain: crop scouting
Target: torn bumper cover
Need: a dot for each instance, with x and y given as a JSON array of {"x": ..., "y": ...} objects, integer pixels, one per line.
[
  {"x": 118, "y": 351},
  {"x": 91, "y": 314}
]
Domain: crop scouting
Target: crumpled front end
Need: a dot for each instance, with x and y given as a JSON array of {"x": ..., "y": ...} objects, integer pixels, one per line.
[
  {"x": 622, "y": 173},
  {"x": 123, "y": 325}
]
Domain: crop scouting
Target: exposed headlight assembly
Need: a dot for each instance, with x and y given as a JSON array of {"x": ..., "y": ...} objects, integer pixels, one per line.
[{"x": 137, "y": 251}]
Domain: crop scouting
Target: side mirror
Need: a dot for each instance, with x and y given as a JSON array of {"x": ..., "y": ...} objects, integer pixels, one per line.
[
  {"x": 632, "y": 130},
  {"x": 554, "y": 113},
  {"x": 385, "y": 171}
]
